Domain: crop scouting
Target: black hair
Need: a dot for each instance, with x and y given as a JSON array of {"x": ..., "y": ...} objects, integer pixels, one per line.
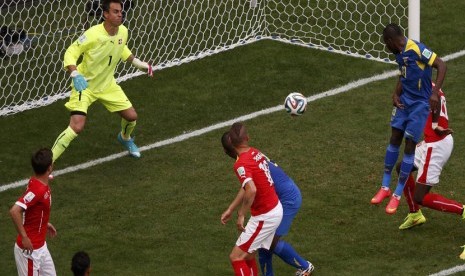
[
  {"x": 80, "y": 263},
  {"x": 227, "y": 146},
  {"x": 106, "y": 4},
  {"x": 41, "y": 160},
  {"x": 392, "y": 31}
]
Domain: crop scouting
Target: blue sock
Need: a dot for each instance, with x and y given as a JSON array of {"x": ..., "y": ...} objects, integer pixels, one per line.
[
  {"x": 405, "y": 169},
  {"x": 286, "y": 252},
  {"x": 392, "y": 153},
  {"x": 265, "y": 259}
]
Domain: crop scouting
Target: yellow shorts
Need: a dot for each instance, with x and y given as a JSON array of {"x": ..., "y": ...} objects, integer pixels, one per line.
[{"x": 113, "y": 98}]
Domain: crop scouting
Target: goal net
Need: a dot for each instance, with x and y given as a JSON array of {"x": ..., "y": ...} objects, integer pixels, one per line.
[{"x": 35, "y": 34}]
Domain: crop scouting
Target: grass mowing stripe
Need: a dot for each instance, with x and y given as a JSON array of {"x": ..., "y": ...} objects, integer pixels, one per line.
[{"x": 332, "y": 92}]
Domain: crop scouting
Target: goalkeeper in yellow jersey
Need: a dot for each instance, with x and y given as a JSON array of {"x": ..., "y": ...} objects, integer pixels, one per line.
[{"x": 102, "y": 47}]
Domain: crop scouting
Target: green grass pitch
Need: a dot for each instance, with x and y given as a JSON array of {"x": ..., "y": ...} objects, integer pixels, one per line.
[{"x": 160, "y": 215}]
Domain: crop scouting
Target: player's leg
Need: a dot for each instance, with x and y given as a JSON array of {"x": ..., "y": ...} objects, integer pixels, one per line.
[
  {"x": 438, "y": 154},
  {"x": 47, "y": 267},
  {"x": 390, "y": 159},
  {"x": 77, "y": 122},
  {"x": 238, "y": 262},
  {"x": 77, "y": 104},
  {"x": 415, "y": 216},
  {"x": 252, "y": 264},
  {"x": 417, "y": 115},
  {"x": 283, "y": 249},
  {"x": 265, "y": 258},
  {"x": 27, "y": 264},
  {"x": 114, "y": 100}
]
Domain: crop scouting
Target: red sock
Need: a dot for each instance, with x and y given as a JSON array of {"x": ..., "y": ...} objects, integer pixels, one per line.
[
  {"x": 241, "y": 268},
  {"x": 440, "y": 203},
  {"x": 253, "y": 267},
  {"x": 409, "y": 190}
]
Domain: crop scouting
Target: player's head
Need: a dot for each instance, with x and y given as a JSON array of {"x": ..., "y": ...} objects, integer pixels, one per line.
[
  {"x": 42, "y": 161},
  {"x": 112, "y": 11},
  {"x": 238, "y": 134},
  {"x": 393, "y": 38},
  {"x": 227, "y": 146},
  {"x": 80, "y": 264}
]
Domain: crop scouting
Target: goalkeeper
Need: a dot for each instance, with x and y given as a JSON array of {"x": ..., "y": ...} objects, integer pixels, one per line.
[{"x": 102, "y": 47}]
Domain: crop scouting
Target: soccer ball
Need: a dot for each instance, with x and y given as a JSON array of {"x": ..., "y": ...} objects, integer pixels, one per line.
[{"x": 295, "y": 104}]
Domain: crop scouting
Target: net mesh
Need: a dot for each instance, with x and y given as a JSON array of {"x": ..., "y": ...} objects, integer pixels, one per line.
[{"x": 35, "y": 34}]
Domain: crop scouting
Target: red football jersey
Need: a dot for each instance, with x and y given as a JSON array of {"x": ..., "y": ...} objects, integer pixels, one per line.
[
  {"x": 252, "y": 165},
  {"x": 443, "y": 121},
  {"x": 36, "y": 202}
]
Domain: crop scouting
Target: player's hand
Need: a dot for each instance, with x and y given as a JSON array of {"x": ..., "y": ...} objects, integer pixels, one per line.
[
  {"x": 240, "y": 223},
  {"x": 143, "y": 66},
  {"x": 79, "y": 81},
  {"x": 434, "y": 100},
  {"x": 226, "y": 216},
  {"x": 396, "y": 101},
  {"x": 51, "y": 230},
  {"x": 27, "y": 245},
  {"x": 443, "y": 131}
]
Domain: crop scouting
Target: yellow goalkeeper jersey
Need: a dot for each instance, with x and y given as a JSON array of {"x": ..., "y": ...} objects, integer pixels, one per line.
[{"x": 101, "y": 54}]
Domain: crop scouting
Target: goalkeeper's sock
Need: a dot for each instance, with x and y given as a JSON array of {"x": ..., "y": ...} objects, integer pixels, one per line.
[
  {"x": 265, "y": 258},
  {"x": 127, "y": 128},
  {"x": 288, "y": 254},
  {"x": 392, "y": 153},
  {"x": 62, "y": 142},
  {"x": 405, "y": 169}
]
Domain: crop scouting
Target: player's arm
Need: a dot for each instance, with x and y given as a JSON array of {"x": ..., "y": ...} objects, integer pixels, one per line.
[
  {"x": 139, "y": 64},
  {"x": 441, "y": 68},
  {"x": 249, "y": 195},
  {"x": 435, "y": 119},
  {"x": 72, "y": 54},
  {"x": 16, "y": 213},
  {"x": 396, "y": 95},
  {"x": 226, "y": 216}
]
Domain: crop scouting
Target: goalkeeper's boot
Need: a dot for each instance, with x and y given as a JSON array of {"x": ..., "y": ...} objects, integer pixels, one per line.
[
  {"x": 381, "y": 195},
  {"x": 391, "y": 208},
  {"x": 129, "y": 145},
  {"x": 412, "y": 220},
  {"x": 462, "y": 256},
  {"x": 305, "y": 272}
]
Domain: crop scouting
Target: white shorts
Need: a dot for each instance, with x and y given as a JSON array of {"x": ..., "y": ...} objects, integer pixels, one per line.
[
  {"x": 430, "y": 158},
  {"x": 38, "y": 263},
  {"x": 260, "y": 230}
]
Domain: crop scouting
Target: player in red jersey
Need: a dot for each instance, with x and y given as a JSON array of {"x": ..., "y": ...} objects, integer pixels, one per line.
[
  {"x": 257, "y": 194},
  {"x": 430, "y": 157},
  {"x": 30, "y": 215}
]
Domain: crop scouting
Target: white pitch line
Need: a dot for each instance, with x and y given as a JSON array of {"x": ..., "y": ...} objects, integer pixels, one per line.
[
  {"x": 332, "y": 92},
  {"x": 450, "y": 271}
]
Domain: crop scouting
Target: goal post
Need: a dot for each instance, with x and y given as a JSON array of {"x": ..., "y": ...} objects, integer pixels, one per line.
[{"x": 170, "y": 33}]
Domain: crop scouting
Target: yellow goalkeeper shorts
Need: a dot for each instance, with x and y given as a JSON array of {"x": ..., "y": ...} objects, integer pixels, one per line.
[{"x": 113, "y": 98}]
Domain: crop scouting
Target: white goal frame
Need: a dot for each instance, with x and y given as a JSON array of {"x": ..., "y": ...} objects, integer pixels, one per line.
[{"x": 172, "y": 33}]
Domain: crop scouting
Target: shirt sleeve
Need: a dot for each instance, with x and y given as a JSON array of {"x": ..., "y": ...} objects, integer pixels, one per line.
[
  {"x": 427, "y": 56},
  {"x": 82, "y": 44},
  {"x": 243, "y": 174},
  {"x": 126, "y": 53},
  {"x": 29, "y": 198}
]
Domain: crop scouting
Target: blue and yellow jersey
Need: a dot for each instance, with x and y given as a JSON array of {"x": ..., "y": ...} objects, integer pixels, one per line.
[
  {"x": 101, "y": 54},
  {"x": 284, "y": 186},
  {"x": 415, "y": 63}
]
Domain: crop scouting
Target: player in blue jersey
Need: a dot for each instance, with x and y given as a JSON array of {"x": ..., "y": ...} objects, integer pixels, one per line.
[
  {"x": 291, "y": 199},
  {"x": 413, "y": 98}
]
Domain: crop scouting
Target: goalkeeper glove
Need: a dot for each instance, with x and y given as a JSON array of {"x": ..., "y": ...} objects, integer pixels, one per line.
[
  {"x": 144, "y": 66},
  {"x": 79, "y": 81}
]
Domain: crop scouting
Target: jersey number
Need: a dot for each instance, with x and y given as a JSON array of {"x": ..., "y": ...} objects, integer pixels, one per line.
[
  {"x": 109, "y": 62},
  {"x": 264, "y": 167}
]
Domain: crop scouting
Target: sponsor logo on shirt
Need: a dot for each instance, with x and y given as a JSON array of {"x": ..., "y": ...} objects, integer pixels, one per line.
[
  {"x": 120, "y": 41},
  {"x": 427, "y": 53},
  {"x": 29, "y": 197},
  {"x": 241, "y": 171}
]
